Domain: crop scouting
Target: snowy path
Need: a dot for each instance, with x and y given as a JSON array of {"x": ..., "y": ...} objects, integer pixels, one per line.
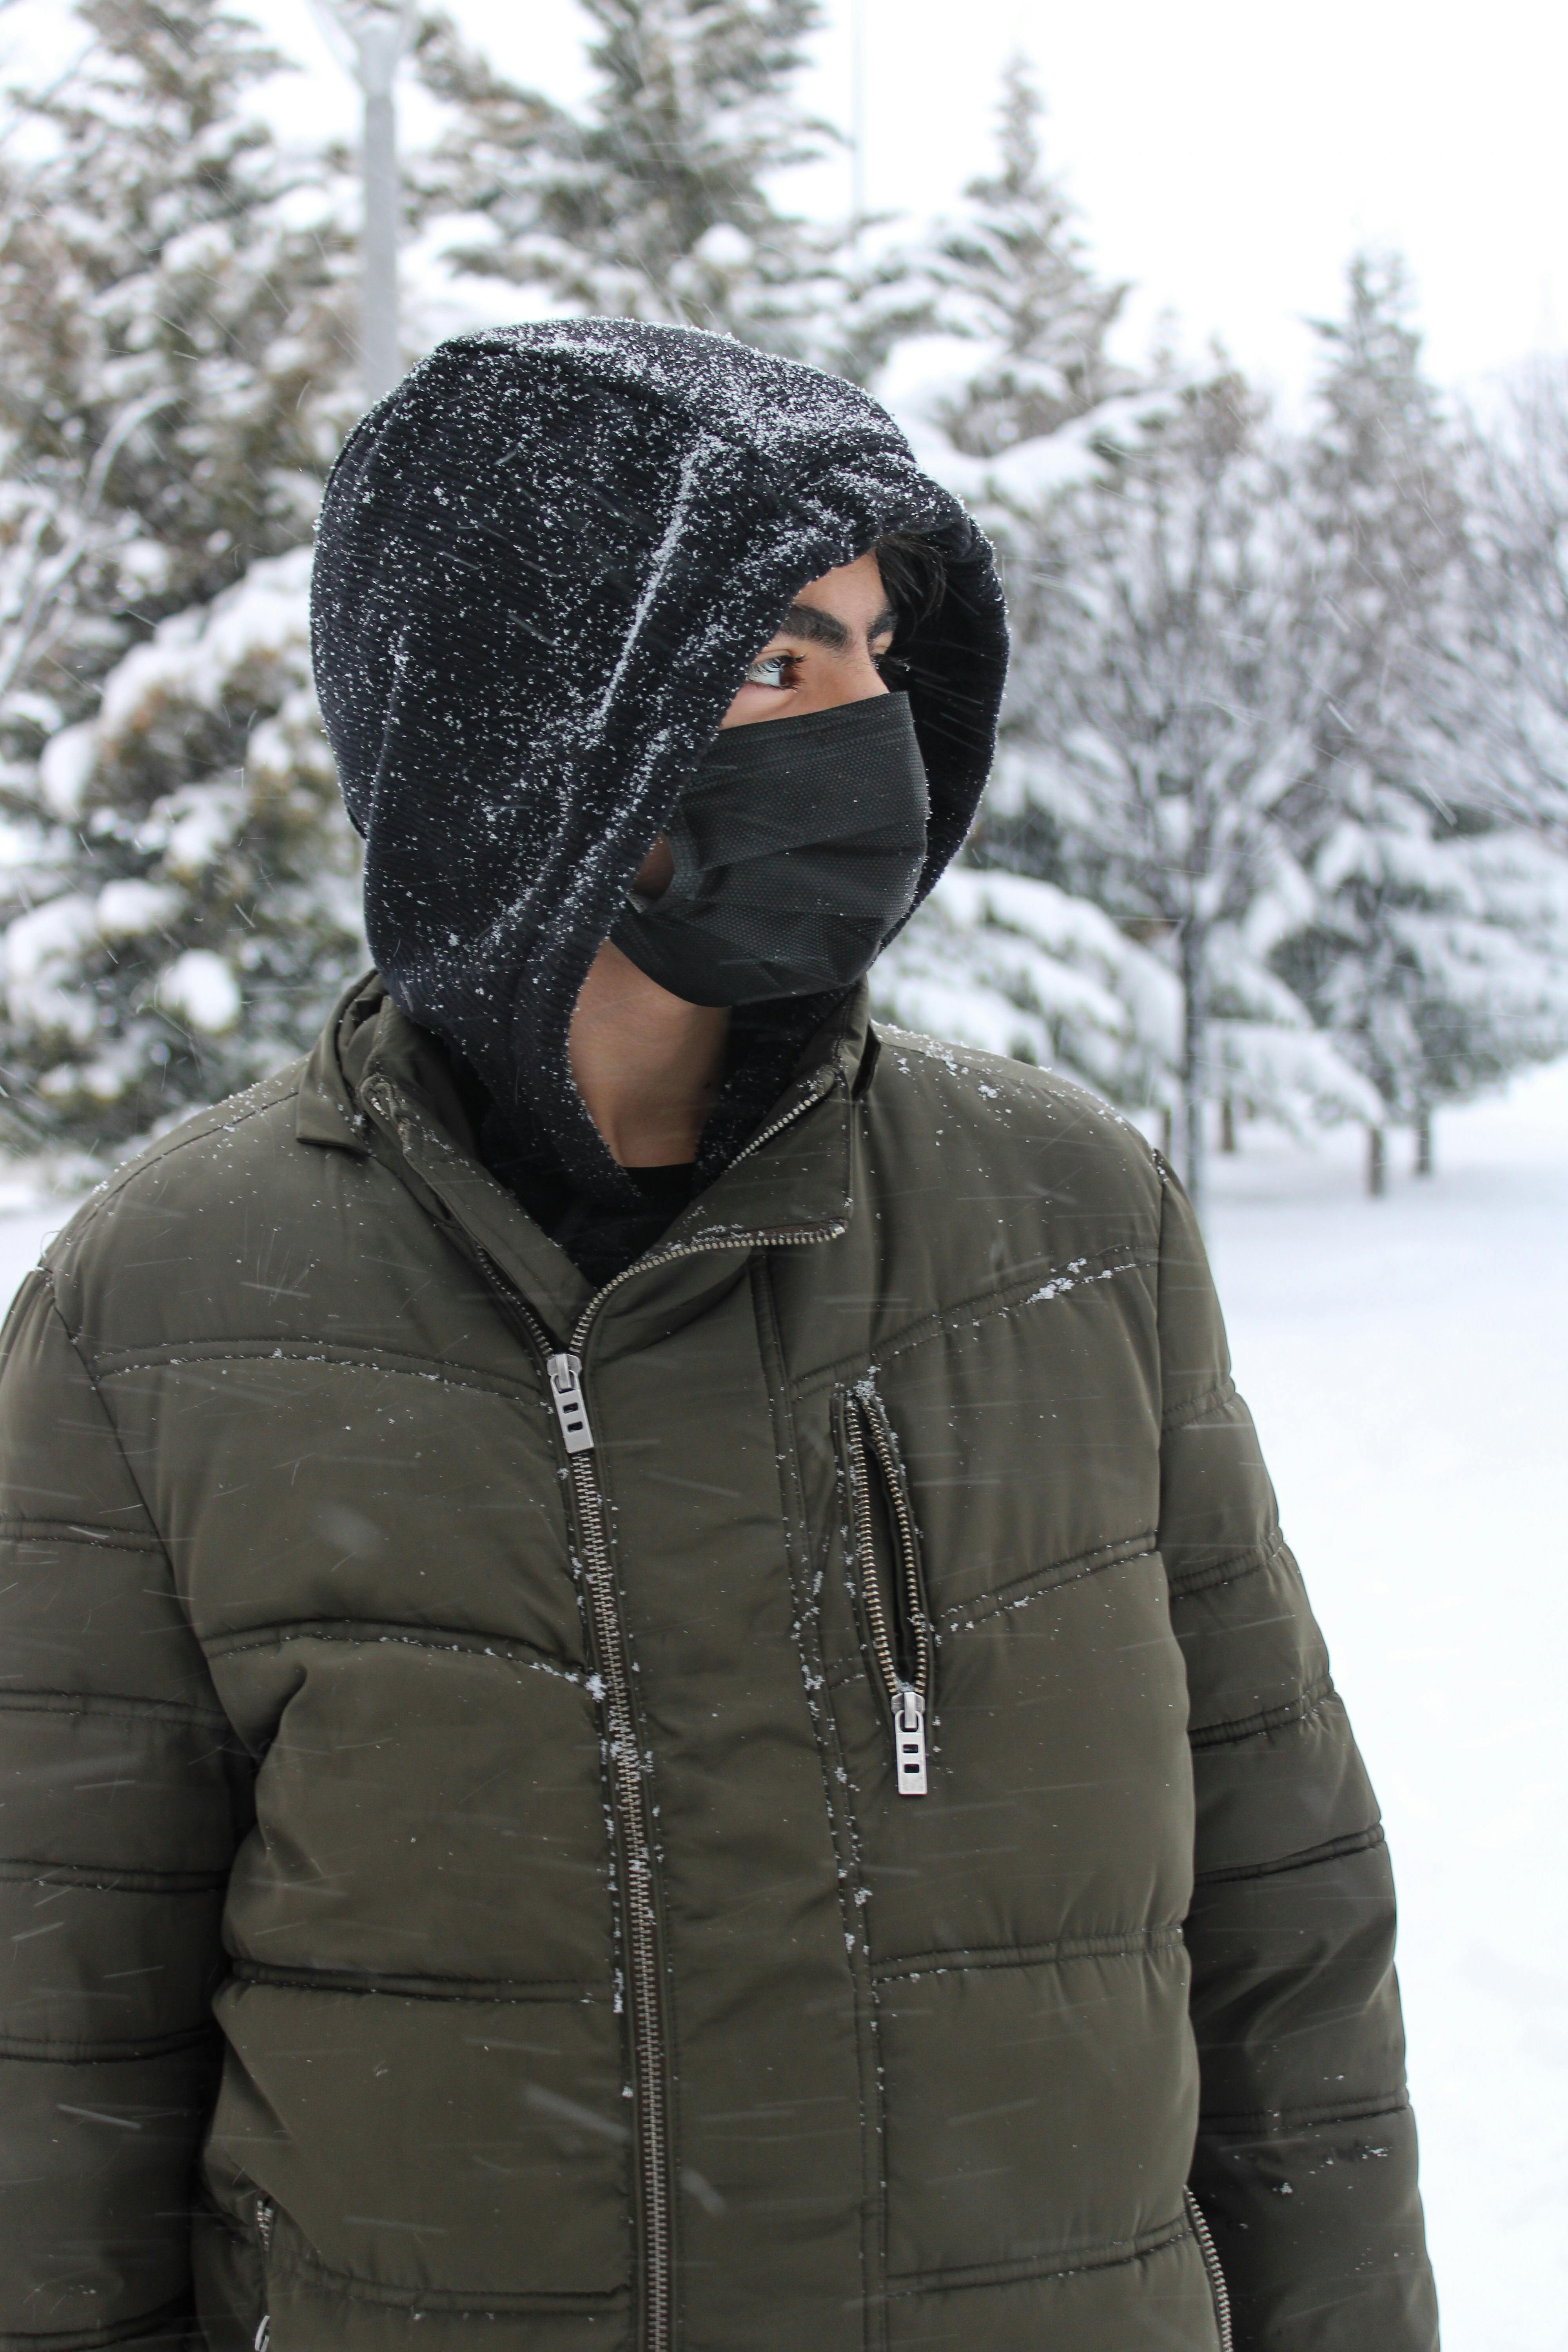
[{"x": 1407, "y": 1361}]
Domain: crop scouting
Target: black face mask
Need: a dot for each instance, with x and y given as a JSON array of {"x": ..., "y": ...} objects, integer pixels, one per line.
[{"x": 798, "y": 845}]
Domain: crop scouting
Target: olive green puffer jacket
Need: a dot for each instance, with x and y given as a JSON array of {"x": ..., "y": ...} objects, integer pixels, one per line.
[{"x": 683, "y": 1805}]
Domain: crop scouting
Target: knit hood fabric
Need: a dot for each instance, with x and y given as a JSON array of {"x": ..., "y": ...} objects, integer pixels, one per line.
[{"x": 542, "y": 566}]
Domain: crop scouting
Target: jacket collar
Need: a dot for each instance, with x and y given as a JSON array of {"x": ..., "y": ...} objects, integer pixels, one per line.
[{"x": 378, "y": 1085}]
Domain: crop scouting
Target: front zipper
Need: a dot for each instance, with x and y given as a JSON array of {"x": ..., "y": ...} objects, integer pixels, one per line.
[
  {"x": 562, "y": 1369},
  {"x": 900, "y": 1639},
  {"x": 266, "y": 2215},
  {"x": 1217, "y": 2287}
]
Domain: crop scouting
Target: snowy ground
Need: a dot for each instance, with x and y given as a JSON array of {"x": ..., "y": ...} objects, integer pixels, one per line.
[{"x": 1407, "y": 1361}]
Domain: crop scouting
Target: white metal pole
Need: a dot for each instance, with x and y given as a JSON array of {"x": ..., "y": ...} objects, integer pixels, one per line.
[
  {"x": 370, "y": 42},
  {"x": 857, "y": 117},
  {"x": 380, "y": 47}
]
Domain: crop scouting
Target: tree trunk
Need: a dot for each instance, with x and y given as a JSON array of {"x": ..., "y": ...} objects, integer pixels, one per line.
[
  {"x": 1227, "y": 1122},
  {"x": 1167, "y": 1131},
  {"x": 1194, "y": 1076},
  {"x": 1424, "y": 1140},
  {"x": 1194, "y": 1172},
  {"x": 1376, "y": 1162}
]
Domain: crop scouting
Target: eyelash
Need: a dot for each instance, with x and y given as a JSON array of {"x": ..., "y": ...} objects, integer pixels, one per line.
[{"x": 779, "y": 663}]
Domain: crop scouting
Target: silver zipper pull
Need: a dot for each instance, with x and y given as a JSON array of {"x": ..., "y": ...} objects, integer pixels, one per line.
[
  {"x": 570, "y": 1411},
  {"x": 909, "y": 1741}
]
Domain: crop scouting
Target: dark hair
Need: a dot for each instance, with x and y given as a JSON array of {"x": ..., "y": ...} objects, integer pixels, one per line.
[{"x": 913, "y": 573}]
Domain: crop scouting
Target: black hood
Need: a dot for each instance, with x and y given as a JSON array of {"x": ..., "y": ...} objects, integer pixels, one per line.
[{"x": 542, "y": 566}]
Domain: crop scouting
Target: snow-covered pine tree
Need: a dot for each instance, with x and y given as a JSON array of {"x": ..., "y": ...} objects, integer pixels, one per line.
[
  {"x": 1014, "y": 279},
  {"x": 212, "y": 912},
  {"x": 1430, "y": 955},
  {"x": 1006, "y": 958},
  {"x": 172, "y": 298},
  {"x": 654, "y": 201},
  {"x": 1437, "y": 959},
  {"x": 1014, "y": 965},
  {"x": 175, "y": 297}
]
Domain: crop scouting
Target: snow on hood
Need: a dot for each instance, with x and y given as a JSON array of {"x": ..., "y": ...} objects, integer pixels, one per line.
[{"x": 542, "y": 566}]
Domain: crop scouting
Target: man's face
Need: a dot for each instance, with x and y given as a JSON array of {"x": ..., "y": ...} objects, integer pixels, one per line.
[{"x": 833, "y": 636}]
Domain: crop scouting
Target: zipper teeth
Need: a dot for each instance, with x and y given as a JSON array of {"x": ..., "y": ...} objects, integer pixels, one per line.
[
  {"x": 757, "y": 1238},
  {"x": 875, "y": 1614},
  {"x": 1210, "y": 2253},
  {"x": 909, "y": 1551},
  {"x": 782, "y": 1237},
  {"x": 859, "y": 1420},
  {"x": 628, "y": 1804},
  {"x": 265, "y": 2214},
  {"x": 760, "y": 1237},
  {"x": 628, "y": 1787},
  {"x": 642, "y": 1935}
]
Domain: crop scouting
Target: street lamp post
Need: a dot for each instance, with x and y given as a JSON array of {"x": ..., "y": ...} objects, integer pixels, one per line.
[
  {"x": 856, "y": 120},
  {"x": 371, "y": 41}
]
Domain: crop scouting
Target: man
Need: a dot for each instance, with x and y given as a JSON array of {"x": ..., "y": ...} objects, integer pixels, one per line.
[{"x": 660, "y": 1602}]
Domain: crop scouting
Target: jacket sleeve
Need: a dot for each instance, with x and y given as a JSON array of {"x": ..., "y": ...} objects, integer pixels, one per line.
[
  {"x": 1305, "y": 2165},
  {"x": 119, "y": 1807}
]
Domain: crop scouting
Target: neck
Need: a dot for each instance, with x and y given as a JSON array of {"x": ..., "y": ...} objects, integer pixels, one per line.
[{"x": 647, "y": 1065}]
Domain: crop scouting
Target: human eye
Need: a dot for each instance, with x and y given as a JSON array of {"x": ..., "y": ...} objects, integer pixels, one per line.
[{"x": 769, "y": 670}]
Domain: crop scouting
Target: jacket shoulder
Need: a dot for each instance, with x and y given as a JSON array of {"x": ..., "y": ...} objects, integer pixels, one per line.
[
  {"x": 1008, "y": 1109},
  {"x": 223, "y": 1185},
  {"x": 190, "y": 1159}
]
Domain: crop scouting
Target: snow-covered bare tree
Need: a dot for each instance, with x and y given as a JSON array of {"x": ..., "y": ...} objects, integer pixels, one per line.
[
  {"x": 1378, "y": 476},
  {"x": 1429, "y": 955},
  {"x": 1166, "y": 692},
  {"x": 175, "y": 298},
  {"x": 1517, "y": 568},
  {"x": 652, "y": 201}
]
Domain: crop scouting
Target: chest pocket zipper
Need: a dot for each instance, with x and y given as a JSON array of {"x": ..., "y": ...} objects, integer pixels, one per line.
[
  {"x": 893, "y": 1596},
  {"x": 1218, "y": 2288},
  {"x": 265, "y": 2214}
]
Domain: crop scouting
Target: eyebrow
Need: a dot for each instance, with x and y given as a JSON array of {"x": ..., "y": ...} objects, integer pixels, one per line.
[{"x": 820, "y": 628}]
